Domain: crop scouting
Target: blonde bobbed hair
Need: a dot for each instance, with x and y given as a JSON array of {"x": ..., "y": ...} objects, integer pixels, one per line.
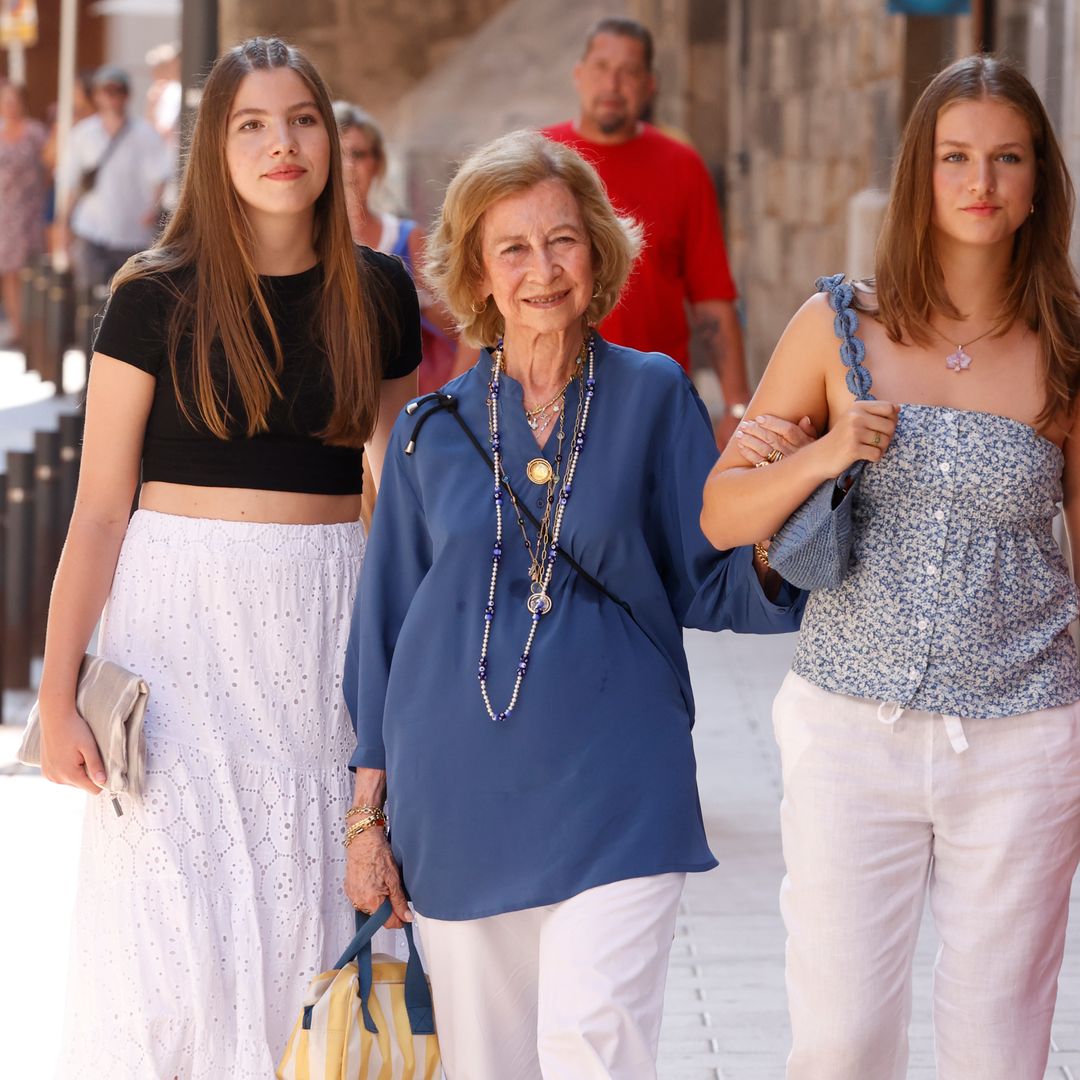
[{"x": 453, "y": 265}]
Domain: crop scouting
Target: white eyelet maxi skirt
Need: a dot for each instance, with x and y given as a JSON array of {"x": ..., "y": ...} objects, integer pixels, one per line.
[{"x": 203, "y": 912}]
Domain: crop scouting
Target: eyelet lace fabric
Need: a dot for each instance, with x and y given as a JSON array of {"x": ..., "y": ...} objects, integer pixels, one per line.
[{"x": 205, "y": 910}]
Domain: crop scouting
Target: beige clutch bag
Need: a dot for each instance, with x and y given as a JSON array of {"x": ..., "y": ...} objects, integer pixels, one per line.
[{"x": 113, "y": 702}]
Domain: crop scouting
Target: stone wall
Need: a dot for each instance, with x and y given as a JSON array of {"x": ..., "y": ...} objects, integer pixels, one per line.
[
  {"x": 814, "y": 110},
  {"x": 370, "y": 51}
]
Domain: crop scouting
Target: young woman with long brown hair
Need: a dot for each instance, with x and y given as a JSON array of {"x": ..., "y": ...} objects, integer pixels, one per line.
[
  {"x": 930, "y": 728},
  {"x": 243, "y": 363}
]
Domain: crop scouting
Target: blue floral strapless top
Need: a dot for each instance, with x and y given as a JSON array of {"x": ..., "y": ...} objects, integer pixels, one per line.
[{"x": 958, "y": 600}]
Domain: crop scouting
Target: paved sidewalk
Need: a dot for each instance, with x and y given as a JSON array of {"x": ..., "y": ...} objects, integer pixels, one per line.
[{"x": 725, "y": 1017}]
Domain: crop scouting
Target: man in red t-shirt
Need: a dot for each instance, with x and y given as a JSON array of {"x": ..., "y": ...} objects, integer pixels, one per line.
[{"x": 664, "y": 184}]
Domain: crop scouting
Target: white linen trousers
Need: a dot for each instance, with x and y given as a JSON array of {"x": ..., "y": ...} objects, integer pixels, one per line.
[
  {"x": 878, "y": 804},
  {"x": 569, "y": 991}
]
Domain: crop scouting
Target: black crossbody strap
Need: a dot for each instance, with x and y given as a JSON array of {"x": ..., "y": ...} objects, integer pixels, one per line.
[
  {"x": 111, "y": 146},
  {"x": 449, "y": 403}
]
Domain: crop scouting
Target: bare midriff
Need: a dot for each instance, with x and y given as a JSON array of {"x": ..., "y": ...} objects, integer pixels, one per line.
[{"x": 249, "y": 504}]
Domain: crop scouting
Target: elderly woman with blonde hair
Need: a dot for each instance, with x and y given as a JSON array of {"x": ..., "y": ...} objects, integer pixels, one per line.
[{"x": 516, "y": 671}]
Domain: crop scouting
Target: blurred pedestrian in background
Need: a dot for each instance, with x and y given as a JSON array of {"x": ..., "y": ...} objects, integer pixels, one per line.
[
  {"x": 929, "y": 730},
  {"x": 242, "y": 365},
  {"x": 544, "y": 815},
  {"x": 82, "y": 107},
  {"x": 363, "y": 151},
  {"x": 23, "y": 190},
  {"x": 164, "y": 101},
  {"x": 117, "y": 166},
  {"x": 662, "y": 183}
]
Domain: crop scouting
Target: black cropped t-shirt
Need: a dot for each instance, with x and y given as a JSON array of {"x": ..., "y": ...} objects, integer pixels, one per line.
[{"x": 289, "y": 456}]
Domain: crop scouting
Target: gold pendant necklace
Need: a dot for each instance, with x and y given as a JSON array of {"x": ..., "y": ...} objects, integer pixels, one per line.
[{"x": 539, "y": 470}]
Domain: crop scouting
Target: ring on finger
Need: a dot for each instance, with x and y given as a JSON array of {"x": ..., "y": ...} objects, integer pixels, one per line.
[
  {"x": 877, "y": 438},
  {"x": 774, "y": 456}
]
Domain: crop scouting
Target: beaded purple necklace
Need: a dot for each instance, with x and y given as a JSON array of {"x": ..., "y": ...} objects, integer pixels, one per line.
[{"x": 539, "y": 602}]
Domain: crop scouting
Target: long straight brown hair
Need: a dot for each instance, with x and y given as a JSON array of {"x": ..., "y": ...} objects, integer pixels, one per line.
[
  {"x": 1041, "y": 289},
  {"x": 218, "y": 297}
]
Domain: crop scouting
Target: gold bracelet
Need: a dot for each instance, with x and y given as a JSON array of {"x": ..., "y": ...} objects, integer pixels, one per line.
[
  {"x": 372, "y": 817},
  {"x": 762, "y": 553},
  {"x": 354, "y": 810},
  {"x": 355, "y": 830}
]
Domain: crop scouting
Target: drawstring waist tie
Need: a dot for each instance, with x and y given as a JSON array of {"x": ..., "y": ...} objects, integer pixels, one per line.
[{"x": 890, "y": 711}]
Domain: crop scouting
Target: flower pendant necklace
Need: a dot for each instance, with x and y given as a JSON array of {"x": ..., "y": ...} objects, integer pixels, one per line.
[
  {"x": 959, "y": 360},
  {"x": 539, "y": 601}
]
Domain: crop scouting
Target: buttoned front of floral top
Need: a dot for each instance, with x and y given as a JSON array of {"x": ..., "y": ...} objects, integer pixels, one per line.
[{"x": 958, "y": 600}]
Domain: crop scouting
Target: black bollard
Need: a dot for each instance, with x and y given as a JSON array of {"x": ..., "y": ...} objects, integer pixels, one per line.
[
  {"x": 3, "y": 584},
  {"x": 26, "y": 285},
  {"x": 71, "y": 432},
  {"x": 46, "y": 528},
  {"x": 55, "y": 334},
  {"x": 19, "y": 569},
  {"x": 34, "y": 322}
]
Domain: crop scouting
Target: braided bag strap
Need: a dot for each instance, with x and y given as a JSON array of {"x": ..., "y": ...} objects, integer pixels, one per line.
[{"x": 845, "y": 326}]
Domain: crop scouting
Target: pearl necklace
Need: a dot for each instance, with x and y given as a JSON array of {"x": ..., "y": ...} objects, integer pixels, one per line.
[{"x": 539, "y": 602}]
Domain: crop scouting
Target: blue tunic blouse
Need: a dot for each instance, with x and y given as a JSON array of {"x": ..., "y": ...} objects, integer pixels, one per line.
[{"x": 592, "y": 779}]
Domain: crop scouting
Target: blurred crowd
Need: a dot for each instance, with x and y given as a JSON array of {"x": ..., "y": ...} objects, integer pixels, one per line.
[
  {"x": 113, "y": 190},
  {"x": 119, "y": 176}
]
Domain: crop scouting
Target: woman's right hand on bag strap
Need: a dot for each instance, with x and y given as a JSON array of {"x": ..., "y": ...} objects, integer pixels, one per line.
[
  {"x": 371, "y": 875},
  {"x": 69, "y": 754},
  {"x": 862, "y": 433}
]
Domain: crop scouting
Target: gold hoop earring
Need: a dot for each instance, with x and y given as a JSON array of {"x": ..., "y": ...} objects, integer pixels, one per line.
[
  {"x": 478, "y": 310},
  {"x": 1032, "y": 210}
]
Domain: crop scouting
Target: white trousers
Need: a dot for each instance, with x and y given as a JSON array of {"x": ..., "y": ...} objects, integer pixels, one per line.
[
  {"x": 985, "y": 811},
  {"x": 571, "y": 991}
]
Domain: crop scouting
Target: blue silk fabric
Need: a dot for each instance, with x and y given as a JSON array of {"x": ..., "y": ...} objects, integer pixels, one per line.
[{"x": 592, "y": 778}]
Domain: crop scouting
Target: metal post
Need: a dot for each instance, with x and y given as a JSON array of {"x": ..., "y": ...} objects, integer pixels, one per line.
[
  {"x": 26, "y": 287},
  {"x": 3, "y": 586},
  {"x": 198, "y": 50},
  {"x": 18, "y": 569},
  {"x": 983, "y": 20},
  {"x": 34, "y": 321},
  {"x": 46, "y": 528},
  {"x": 59, "y": 322},
  {"x": 71, "y": 433},
  {"x": 16, "y": 63},
  {"x": 65, "y": 106}
]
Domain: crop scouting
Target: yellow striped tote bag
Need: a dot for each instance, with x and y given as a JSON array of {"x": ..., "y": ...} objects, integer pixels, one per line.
[{"x": 369, "y": 1018}]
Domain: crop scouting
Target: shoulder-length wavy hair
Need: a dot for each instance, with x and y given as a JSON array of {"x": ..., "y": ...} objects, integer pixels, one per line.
[
  {"x": 1041, "y": 289},
  {"x": 453, "y": 265},
  {"x": 218, "y": 296}
]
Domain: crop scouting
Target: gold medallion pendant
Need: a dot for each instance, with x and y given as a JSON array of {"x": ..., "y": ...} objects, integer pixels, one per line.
[{"x": 539, "y": 471}]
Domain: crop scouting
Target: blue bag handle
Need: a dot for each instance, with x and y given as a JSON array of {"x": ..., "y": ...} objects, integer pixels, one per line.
[
  {"x": 852, "y": 353},
  {"x": 417, "y": 992}
]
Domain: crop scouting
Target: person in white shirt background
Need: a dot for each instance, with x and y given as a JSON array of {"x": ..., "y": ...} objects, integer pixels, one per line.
[{"x": 105, "y": 222}]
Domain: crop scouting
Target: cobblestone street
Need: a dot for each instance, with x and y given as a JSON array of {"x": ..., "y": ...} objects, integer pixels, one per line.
[{"x": 725, "y": 1017}]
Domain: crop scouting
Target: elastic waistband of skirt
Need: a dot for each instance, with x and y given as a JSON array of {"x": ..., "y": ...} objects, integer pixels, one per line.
[{"x": 246, "y": 539}]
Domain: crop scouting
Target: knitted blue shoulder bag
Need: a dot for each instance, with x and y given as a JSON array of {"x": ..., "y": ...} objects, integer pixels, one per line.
[{"x": 812, "y": 550}]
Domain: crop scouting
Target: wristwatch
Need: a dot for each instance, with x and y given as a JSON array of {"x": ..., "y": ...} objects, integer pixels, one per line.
[{"x": 738, "y": 410}]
